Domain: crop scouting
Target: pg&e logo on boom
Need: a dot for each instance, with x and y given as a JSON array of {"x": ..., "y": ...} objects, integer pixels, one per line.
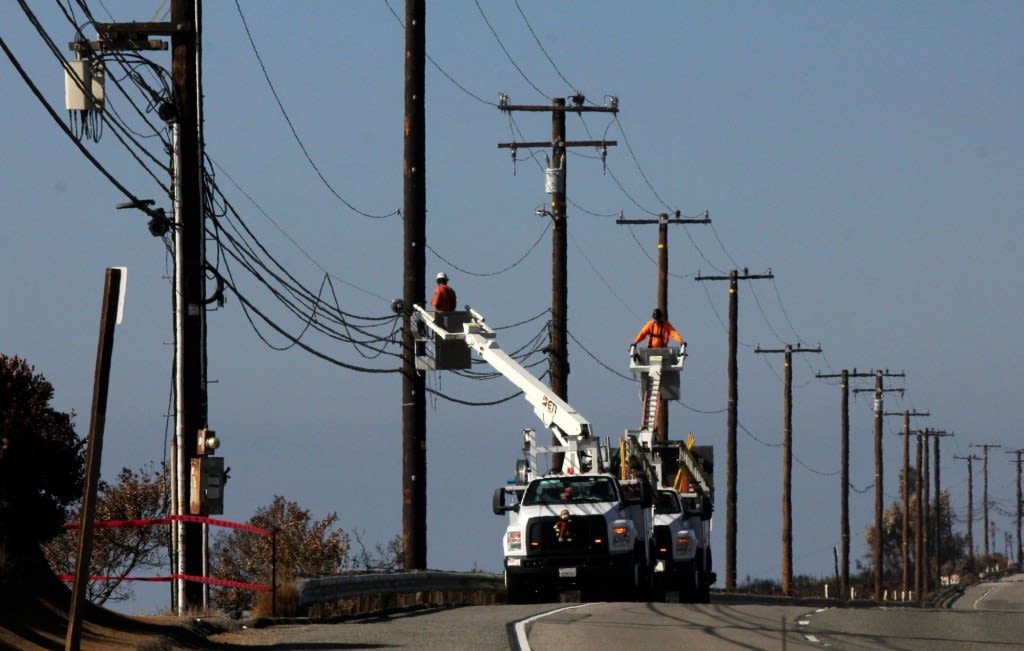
[{"x": 549, "y": 405}]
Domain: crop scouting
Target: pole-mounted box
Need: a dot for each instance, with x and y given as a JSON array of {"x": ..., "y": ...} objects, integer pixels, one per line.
[{"x": 208, "y": 480}]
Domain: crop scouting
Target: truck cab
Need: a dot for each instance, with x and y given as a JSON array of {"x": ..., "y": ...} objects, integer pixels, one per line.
[
  {"x": 584, "y": 532},
  {"x": 682, "y": 554}
]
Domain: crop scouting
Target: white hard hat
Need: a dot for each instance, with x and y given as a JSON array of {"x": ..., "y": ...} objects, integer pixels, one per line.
[{"x": 442, "y": 275}]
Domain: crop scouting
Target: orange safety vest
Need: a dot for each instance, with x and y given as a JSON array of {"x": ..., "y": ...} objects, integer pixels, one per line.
[
  {"x": 658, "y": 333},
  {"x": 444, "y": 298}
]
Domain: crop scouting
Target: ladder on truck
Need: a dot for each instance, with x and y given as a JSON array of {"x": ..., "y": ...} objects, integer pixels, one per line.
[{"x": 659, "y": 370}]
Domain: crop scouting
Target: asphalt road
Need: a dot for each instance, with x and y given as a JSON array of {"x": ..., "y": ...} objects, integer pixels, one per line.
[{"x": 987, "y": 616}]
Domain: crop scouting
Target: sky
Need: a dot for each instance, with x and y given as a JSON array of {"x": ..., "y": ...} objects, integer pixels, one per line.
[{"x": 869, "y": 154}]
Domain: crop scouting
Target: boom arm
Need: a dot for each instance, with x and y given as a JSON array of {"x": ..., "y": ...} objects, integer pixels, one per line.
[{"x": 568, "y": 426}]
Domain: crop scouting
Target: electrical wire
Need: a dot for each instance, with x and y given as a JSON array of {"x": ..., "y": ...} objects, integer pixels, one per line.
[
  {"x": 295, "y": 134},
  {"x": 507, "y": 54}
]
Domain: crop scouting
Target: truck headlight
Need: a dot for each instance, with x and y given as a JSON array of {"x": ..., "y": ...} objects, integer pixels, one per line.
[
  {"x": 683, "y": 543},
  {"x": 514, "y": 540},
  {"x": 620, "y": 536}
]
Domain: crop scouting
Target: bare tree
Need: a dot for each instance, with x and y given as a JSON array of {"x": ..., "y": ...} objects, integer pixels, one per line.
[
  {"x": 121, "y": 551},
  {"x": 305, "y": 548}
]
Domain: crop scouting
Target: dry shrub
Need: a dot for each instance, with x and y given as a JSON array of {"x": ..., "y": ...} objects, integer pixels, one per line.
[{"x": 287, "y": 602}]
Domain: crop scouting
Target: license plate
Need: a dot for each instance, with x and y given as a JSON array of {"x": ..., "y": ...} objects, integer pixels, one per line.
[{"x": 567, "y": 572}]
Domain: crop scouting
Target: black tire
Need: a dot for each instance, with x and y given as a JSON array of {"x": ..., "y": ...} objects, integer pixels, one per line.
[
  {"x": 704, "y": 588},
  {"x": 689, "y": 582},
  {"x": 517, "y": 592}
]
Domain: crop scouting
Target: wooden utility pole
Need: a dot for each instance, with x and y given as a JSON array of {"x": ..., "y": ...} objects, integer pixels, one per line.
[
  {"x": 970, "y": 503},
  {"x": 113, "y": 300},
  {"x": 919, "y": 560},
  {"x": 938, "y": 505},
  {"x": 185, "y": 76},
  {"x": 787, "y": 463},
  {"x": 905, "y": 489},
  {"x": 732, "y": 419},
  {"x": 414, "y": 412},
  {"x": 1020, "y": 548},
  {"x": 984, "y": 498},
  {"x": 880, "y": 392},
  {"x": 558, "y": 358},
  {"x": 182, "y": 111},
  {"x": 844, "y": 471},
  {"x": 663, "y": 220},
  {"x": 937, "y": 537}
]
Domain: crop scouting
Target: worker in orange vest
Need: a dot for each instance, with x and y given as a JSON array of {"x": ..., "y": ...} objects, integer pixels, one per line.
[
  {"x": 657, "y": 331},
  {"x": 444, "y": 296}
]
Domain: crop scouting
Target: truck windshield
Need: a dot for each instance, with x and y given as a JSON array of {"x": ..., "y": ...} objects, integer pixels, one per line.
[
  {"x": 564, "y": 490},
  {"x": 667, "y": 503}
]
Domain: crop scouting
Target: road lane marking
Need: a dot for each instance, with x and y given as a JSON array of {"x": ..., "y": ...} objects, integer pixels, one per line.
[{"x": 521, "y": 639}]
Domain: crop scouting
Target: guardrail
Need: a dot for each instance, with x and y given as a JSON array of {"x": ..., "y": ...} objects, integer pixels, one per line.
[{"x": 333, "y": 588}]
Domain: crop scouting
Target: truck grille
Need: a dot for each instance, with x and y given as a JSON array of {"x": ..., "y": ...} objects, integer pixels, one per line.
[{"x": 584, "y": 534}]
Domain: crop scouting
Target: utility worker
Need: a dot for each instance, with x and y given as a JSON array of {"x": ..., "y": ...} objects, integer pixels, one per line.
[
  {"x": 657, "y": 331},
  {"x": 444, "y": 296}
]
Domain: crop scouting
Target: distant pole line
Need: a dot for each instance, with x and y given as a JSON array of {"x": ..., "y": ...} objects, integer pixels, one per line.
[
  {"x": 732, "y": 419},
  {"x": 844, "y": 471},
  {"x": 879, "y": 409},
  {"x": 787, "y": 462}
]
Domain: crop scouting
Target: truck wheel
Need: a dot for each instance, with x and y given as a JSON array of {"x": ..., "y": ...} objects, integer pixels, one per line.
[
  {"x": 516, "y": 591},
  {"x": 689, "y": 582},
  {"x": 630, "y": 583},
  {"x": 703, "y": 595}
]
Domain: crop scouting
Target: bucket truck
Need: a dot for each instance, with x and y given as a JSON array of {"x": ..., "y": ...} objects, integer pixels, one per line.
[
  {"x": 684, "y": 503},
  {"x": 586, "y": 525}
]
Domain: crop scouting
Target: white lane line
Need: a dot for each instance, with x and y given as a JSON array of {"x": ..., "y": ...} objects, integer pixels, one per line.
[
  {"x": 524, "y": 643},
  {"x": 982, "y": 597}
]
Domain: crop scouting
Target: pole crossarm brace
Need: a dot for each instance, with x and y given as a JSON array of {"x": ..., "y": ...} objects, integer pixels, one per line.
[
  {"x": 908, "y": 413},
  {"x": 788, "y": 349},
  {"x": 663, "y": 218},
  {"x": 117, "y": 37},
  {"x": 547, "y": 108},
  {"x": 885, "y": 373},
  {"x": 853, "y": 373},
  {"x": 767, "y": 275},
  {"x": 547, "y": 143}
]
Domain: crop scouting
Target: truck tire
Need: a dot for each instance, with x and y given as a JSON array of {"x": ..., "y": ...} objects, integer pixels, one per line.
[
  {"x": 629, "y": 586},
  {"x": 703, "y": 587},
  {"x": 516, "y": 591},
  {"x": 689, "y": 582}
]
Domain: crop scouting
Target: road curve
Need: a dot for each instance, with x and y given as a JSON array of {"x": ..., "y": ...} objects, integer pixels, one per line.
[{"x": 985, "y": 616}]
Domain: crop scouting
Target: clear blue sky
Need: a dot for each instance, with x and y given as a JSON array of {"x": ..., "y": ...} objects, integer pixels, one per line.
[{"x": 871, "y": 154}]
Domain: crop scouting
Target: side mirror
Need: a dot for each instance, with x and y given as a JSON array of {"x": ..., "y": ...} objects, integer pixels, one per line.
[
  {"x": 498, "y": 503},
  {"x": 707, "y": 507}
]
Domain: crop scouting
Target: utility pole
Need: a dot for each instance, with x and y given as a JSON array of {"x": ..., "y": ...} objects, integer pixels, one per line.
[
  {"x": 733, "y": 407},
  {"x": 938, "y": 505},
  {"x": 985, "y": 447},
  {"x": 919, "y": 527},
  {"x": 414, "y": 411},
  {"x": 905, "y": 530},
  {"x": 844, "y": 471},
  {"x": 787, "y": 463},
  {"x": 880, "y": 392},
  {"x": 1020, "y": 549},
  {"x": 663, "y": 220},
  {"x": 970, "y": 504},
  {"x": 558, "y": 360},
  {"x": 182, "y": 112}
]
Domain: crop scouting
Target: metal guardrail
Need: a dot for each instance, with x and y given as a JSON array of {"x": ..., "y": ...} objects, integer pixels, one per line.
[{"x": 332, "y": 588}]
